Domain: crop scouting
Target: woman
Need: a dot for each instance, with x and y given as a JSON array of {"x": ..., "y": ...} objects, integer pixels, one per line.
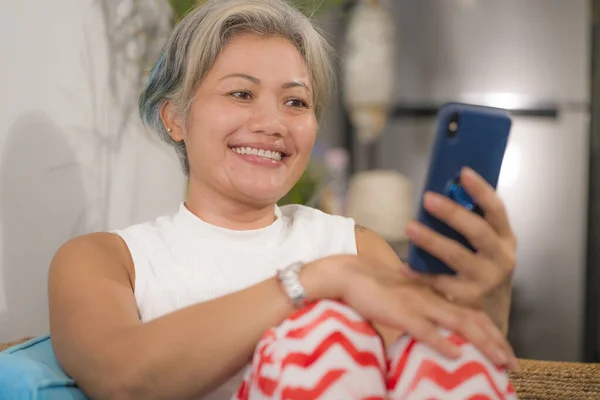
[{"x": 316, "y": 307}]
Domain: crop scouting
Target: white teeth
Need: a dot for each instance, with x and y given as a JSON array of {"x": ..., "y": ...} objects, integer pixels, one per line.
[{"x": 271, "y": 155}]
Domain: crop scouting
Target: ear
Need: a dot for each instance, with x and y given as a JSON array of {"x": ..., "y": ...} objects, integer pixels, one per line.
[{"x": 171, "y": 121}]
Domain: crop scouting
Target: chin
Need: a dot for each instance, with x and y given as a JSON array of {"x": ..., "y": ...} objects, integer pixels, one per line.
[{"x": 262, "y": 195}]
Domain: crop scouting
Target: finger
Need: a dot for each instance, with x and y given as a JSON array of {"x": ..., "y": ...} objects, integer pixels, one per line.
[
  {"x": 476, "y": 229},
  {"x": 493, "y": 331},
  {"x": 486, "y": 197},
  {"x": 454, "y": 289},
  {"x": 474, "y": 328},
  {"x": 452, "y": 253},
  {"x": 426, "y": 332}
]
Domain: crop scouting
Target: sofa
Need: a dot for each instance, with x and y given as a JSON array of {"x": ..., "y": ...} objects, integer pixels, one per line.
[{"x": 537, "y": 380}]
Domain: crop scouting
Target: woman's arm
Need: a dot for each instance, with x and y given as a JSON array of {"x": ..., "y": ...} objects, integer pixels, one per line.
[
  {"x": 100, "y": 341},
  {"x": 373, "y": 247}
]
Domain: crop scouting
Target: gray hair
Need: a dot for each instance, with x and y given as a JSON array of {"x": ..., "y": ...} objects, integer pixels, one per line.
[{"x": 198, "y": 39}]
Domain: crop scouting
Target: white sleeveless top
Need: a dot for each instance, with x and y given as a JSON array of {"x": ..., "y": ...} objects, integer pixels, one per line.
[{"x": 180, "y": 260}]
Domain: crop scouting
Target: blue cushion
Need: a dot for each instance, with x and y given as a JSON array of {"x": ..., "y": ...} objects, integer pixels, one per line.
[{"x": 29, "y": 371}]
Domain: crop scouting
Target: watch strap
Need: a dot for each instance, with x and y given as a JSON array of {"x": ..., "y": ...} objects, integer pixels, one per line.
[{"x": 289, "y": 279}]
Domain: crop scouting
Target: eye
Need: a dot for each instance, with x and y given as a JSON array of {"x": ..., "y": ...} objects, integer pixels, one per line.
[
  {"x": 242, "y": 95},
  {"x": 296, "y": 103}
]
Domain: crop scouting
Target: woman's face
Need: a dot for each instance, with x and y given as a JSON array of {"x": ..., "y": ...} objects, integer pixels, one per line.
[{"x": 252, "y": 125}]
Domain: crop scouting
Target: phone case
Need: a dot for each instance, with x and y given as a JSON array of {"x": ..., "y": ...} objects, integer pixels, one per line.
[{"x": 479, "y": 142}]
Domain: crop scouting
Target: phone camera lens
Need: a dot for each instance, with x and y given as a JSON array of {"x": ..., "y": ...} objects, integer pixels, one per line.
[{"x": 453, "y": 125}]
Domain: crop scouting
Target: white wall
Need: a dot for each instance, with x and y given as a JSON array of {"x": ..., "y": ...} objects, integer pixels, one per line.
[{"x": 58, "y": 176}]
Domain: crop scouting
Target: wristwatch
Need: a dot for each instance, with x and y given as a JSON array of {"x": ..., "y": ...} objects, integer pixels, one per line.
[{"x": 288, "y": 278}]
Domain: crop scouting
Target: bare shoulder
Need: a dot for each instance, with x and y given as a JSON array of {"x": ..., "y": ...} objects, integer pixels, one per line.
[
  {"x": 83, "y": 254},
  {"x": 101, "y": 241},
  {"x": 369, "y": 244},
  {"x": 90, "y": 295}
]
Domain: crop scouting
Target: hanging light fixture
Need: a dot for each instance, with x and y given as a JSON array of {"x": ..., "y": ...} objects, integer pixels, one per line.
[
  {"x": 377, "y": 199},
  {"x": 368, "y": 69}
]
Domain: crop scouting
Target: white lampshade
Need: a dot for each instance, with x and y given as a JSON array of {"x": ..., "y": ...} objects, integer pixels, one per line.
[{"x": 381, "y": 200}]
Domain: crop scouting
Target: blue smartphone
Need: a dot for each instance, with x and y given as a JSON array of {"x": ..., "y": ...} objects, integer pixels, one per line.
[{"x": 467, "y": 136}]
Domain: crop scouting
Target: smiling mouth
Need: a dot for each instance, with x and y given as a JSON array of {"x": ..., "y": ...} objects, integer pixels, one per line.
[{"x": 266, "y": 154}]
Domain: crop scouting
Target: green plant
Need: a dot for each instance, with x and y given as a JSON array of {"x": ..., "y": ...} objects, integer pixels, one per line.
[
  {"x": 181, "y": 7},
  {"x": 306, "y": 191},
  {"x": 309, "y": 7}
]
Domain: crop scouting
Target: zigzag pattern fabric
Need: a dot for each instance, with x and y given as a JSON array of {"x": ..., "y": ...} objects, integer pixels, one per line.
[{"x": 328, "y": 351}]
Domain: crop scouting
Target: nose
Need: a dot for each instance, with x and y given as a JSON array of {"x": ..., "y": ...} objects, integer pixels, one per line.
[{"x": 267, "y": 119}]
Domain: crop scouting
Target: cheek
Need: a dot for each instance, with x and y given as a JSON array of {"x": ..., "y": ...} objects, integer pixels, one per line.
[
  {"x": 210, "y": 123},
  {"x": 305, "y": 136},
  {"x": 220, "y": 117}
]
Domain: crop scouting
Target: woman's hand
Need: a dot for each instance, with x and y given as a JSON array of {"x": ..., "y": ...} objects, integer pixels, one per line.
[
  {"x": 484, "y": 278},
  {"x": 385, "y": 297}
]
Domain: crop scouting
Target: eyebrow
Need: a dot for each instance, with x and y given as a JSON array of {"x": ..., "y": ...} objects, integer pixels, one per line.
[
  {"x": 256, "y": 81},
  {"x": 247, "y": 77},
  {"x": 293, "y": 84}
]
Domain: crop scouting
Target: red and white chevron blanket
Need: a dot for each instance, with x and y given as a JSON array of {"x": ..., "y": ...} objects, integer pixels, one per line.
[{"x": 328, "y": 351}]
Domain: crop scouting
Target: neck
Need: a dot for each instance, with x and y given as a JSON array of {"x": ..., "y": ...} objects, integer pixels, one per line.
[{"x": 225, "y": 212}]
